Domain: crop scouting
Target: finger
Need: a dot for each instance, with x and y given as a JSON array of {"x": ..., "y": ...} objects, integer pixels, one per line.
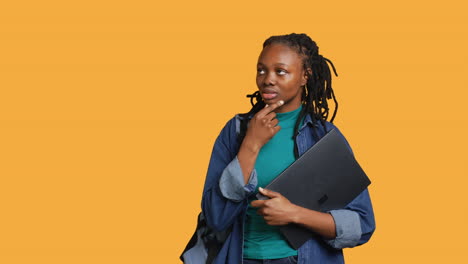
[
  {"x": 269, "y": 193},
  {"x": 270, "y": 116},
  {"x": 274, "y": 223},
  {"x": 257, "y": 203},
  {"x": 271, "y": 124},
  {"x": 274, "y": 122},
  {"x": 269, "y": 108},
  {"x": 270, "y": 221},
  {"x": 276, "y": 129}
]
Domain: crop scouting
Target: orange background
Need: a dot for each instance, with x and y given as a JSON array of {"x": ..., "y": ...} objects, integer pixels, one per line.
[{"x": 109, "y": 110}]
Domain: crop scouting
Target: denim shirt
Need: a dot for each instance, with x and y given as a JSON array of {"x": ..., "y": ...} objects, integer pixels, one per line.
[{"x": 225, "y": 200}]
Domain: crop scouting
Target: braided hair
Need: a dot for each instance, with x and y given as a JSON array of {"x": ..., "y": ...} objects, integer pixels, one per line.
[{"x": 317, "y": 90}]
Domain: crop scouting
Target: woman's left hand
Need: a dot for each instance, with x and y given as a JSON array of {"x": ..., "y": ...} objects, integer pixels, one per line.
[{"x": 277, "y": 210}]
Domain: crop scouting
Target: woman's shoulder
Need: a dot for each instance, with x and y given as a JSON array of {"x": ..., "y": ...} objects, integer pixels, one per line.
[
  {"x": 231, "y": 128},
  {"x": 318, "y": 124},
  {"x": 331, "y": 126},
  {"x": 229, "y": 134}
]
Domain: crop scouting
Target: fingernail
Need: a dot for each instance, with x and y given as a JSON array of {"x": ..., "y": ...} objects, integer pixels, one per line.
[
  {"x": 260, "y": 188},
  {"x": 266, "y": 105},
  {"x": 281, "y": 102}
]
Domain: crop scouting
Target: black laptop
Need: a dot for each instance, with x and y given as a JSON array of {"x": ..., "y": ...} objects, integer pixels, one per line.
[{"x": 324, "y": 178}]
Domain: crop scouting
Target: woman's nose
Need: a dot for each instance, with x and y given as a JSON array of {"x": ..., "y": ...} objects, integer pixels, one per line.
[{"x": 269, "y": 79}]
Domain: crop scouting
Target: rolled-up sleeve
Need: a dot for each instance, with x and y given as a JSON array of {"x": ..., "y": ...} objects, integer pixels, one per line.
[
  {"x": 348, "y": 229},
  {"x": 232, "y": 184}
]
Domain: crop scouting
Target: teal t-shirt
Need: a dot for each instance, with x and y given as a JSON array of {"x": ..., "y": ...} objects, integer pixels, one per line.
[{"x": 262, "y": 241}]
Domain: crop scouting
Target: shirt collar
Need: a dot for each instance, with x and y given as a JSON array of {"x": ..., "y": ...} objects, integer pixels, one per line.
[{"x": 307, "y": 122}]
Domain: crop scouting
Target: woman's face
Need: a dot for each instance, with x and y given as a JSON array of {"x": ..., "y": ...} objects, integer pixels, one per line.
[{"x": 280, "y": 76}]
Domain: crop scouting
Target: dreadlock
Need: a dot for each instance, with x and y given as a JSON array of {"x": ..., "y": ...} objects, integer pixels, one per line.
[{"x": 317, "y": 90}]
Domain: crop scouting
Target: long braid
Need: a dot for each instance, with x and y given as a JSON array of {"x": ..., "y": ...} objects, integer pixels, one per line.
[
  {"x": 318, "y": 89},
  {"x": 319, "y": 84}
]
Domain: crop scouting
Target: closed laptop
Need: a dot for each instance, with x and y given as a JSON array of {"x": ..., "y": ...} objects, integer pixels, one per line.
[{"x": 324, "y": 178}]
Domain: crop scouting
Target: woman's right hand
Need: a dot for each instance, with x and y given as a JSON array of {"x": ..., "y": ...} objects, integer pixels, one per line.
[{"x": 262, "y": 127}]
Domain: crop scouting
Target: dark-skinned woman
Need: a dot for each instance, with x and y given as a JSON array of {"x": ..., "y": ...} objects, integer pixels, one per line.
[{"x": 289, "y": 115}]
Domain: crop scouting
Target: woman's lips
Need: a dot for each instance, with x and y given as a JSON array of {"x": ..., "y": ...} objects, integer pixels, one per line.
[{"x": 269, "y": 96}]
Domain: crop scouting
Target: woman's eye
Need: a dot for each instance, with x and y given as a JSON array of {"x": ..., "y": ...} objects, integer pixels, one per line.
[
  {"x": 281, "y": 72},
  {"x": 260, "y": 71}
]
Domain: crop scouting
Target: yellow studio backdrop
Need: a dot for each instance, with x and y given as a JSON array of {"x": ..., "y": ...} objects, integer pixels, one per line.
[{"x": 109, "y": 111}]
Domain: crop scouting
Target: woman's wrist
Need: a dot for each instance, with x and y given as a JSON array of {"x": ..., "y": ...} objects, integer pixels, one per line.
[
  {"x": 247, "y": 156},
  {"x": 296, "y": 214},
  {"x": 321, "y": 223},
  {"x": 250, "y": 145}
]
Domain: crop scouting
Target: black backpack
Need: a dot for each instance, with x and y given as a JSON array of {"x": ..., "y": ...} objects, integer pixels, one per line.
[{"x": 205, "y": 243}]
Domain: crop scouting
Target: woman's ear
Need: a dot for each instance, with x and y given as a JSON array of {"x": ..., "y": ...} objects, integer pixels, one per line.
[{"x": 306, "y": 75}]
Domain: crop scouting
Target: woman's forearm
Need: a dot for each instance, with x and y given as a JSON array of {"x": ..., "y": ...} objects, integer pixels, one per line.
[
  {"x": 321, "y": 223},
  {"x": 247, "y": 156}
]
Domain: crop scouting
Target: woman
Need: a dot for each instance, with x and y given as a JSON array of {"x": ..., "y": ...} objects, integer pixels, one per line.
[{"x": 289, "y": 116}]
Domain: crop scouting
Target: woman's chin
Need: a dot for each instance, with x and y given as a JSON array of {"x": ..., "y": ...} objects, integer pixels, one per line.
[{"x": 271, "y": 101}]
